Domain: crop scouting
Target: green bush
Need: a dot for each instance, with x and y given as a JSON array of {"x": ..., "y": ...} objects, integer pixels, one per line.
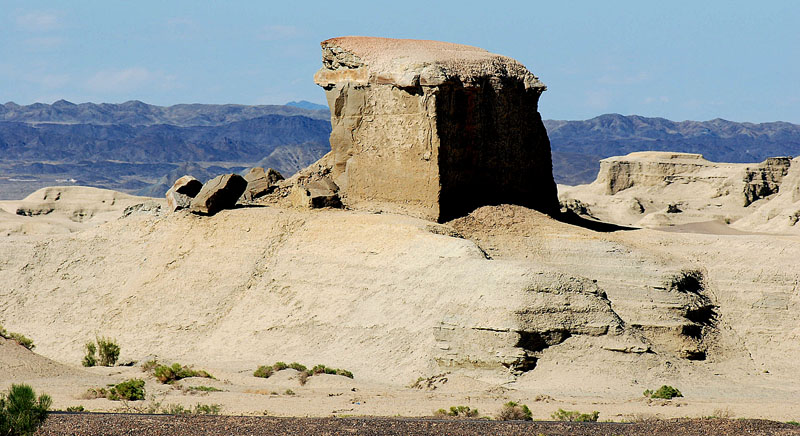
[
  {"x": 75, "y": 409},
  {"x": 21, "y": 413},
  {"x": 108, "y": 351},
  {"x": 18, "y": 338},
  {"x": 344, "y": 373},
  {"x": 322, "y": 369},
  {"x": 267, "y": 371},
  {"x": 199, "y": 409},
  {"x": 664, "y": 392},
  {"x": 89, "y": 359},
  {"x": 207, "y": 409},
  {"x": 131, "y": 390},
  {"x": 263, "y": 371},
  {"x": 463, "y": 411},
  {"x": 106, "y": 348},
  {"x": 297, "y": 366},
  {"x": 175, "y": 409},
  {"x": 457, "y": 411},
  {"x": 512, "y": 411},
  {"x": 170, "y": 374},
  {"x": 575, "y": 416}
]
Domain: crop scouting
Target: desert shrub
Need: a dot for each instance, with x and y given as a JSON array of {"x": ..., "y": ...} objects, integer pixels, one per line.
[
  {"x": 575, "y": 416},
  {"x": 131, "y": 390},
  {"x": 75, "y": 409},
  {"x": 207, "y": 409},
  {"x": 108, "y": 350},
  {"x": 456, "y": 411},
  {"x": 289, "y": 392},
  {"x": 263, "y": 371},
  {"x": 267, "y": 371},
  {"x": 18, "y": 338},
  {"x": 664, "y": 392},
  {"x": 344, "y": 373},
  {"x": 512, "y": 411},
  {"x": 22, "y": 340},
  {"x": 170, "y": 374},
  {"x": 322, "y": 369},
  {"x": 303, "y": 377},
  {"x": 297, "y": 366},
  {"x": 204, "y": 389},
  {"x": 150, "y": 365},
  {"x": 199, "y": 409},
  {"x": 464, "y": 411},
  {"x": 93, "y": 393},
  {"x": 21, "y": 412},
  {"x": 175, "y": 409},
  {"x": 89, "y": 359}
]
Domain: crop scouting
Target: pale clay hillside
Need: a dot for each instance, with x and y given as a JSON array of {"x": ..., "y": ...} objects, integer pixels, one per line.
[{"x": 696, "y": 285}]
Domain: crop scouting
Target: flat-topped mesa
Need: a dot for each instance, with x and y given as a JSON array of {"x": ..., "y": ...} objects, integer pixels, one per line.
[{"x": 434, "y": 129}]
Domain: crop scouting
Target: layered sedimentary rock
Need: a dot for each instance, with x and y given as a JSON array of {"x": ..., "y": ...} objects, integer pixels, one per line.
[
  {"x": 433, "y": 129},
  {"x": 664, "y": 188}
]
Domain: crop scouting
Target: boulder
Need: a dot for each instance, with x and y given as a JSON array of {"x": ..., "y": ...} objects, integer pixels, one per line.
[
  {"x": 219, "y": 193},
  {"x": 316, "y": 194},
  {"x": 260, "y": 182},
  {"x": 180, "y": 195},
  {"x": 433, "y": 129}
]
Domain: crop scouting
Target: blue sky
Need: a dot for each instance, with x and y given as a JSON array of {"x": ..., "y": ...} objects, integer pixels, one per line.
[{"x": 679, "y": 60}]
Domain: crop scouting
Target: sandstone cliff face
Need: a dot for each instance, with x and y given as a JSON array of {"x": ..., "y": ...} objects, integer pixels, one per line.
[
  {"x": 663, "y": 188},
  {"x": 434, "y": 129}
]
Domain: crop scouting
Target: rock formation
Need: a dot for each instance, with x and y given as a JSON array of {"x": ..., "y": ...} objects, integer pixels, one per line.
[
  {"x": 219, "y": 193},
  {"x": 765, "y": 179},
  {"x": 664, "y": 188},
  {"x": 433, "y": 129},
  {"x": 180, "y": 195}
]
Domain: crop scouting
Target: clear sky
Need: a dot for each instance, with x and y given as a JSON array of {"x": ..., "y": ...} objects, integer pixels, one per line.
[{"x": 698, "y": 60}]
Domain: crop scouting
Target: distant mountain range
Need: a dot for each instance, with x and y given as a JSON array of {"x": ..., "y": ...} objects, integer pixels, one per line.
[
  {"x": 141, "y": 148},
  {"x": 578, "y": 145},
  {"x": 134, "y": 146}
]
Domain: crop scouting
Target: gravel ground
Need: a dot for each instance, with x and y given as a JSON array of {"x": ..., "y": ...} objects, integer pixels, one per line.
[{"x": 95, "y": 424}]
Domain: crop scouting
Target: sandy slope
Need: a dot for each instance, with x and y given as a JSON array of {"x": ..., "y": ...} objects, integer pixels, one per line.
[{"x": 393, "y": 298}]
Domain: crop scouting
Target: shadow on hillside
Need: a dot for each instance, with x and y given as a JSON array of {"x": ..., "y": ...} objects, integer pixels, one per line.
[{"x": 570, "y": 217}]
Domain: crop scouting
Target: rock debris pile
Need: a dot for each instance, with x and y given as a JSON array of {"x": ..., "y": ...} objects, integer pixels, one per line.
[{"x": 221, "y": 192}]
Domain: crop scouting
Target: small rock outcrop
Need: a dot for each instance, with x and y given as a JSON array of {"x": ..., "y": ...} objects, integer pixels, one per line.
[
  {"x": 433, "y": 129},
  {"x": 180, "y": 195},
  {"x": 260, "y": 182},
  {"x": 221, "y": 192},
  {"x": 765, "y": 179}
]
